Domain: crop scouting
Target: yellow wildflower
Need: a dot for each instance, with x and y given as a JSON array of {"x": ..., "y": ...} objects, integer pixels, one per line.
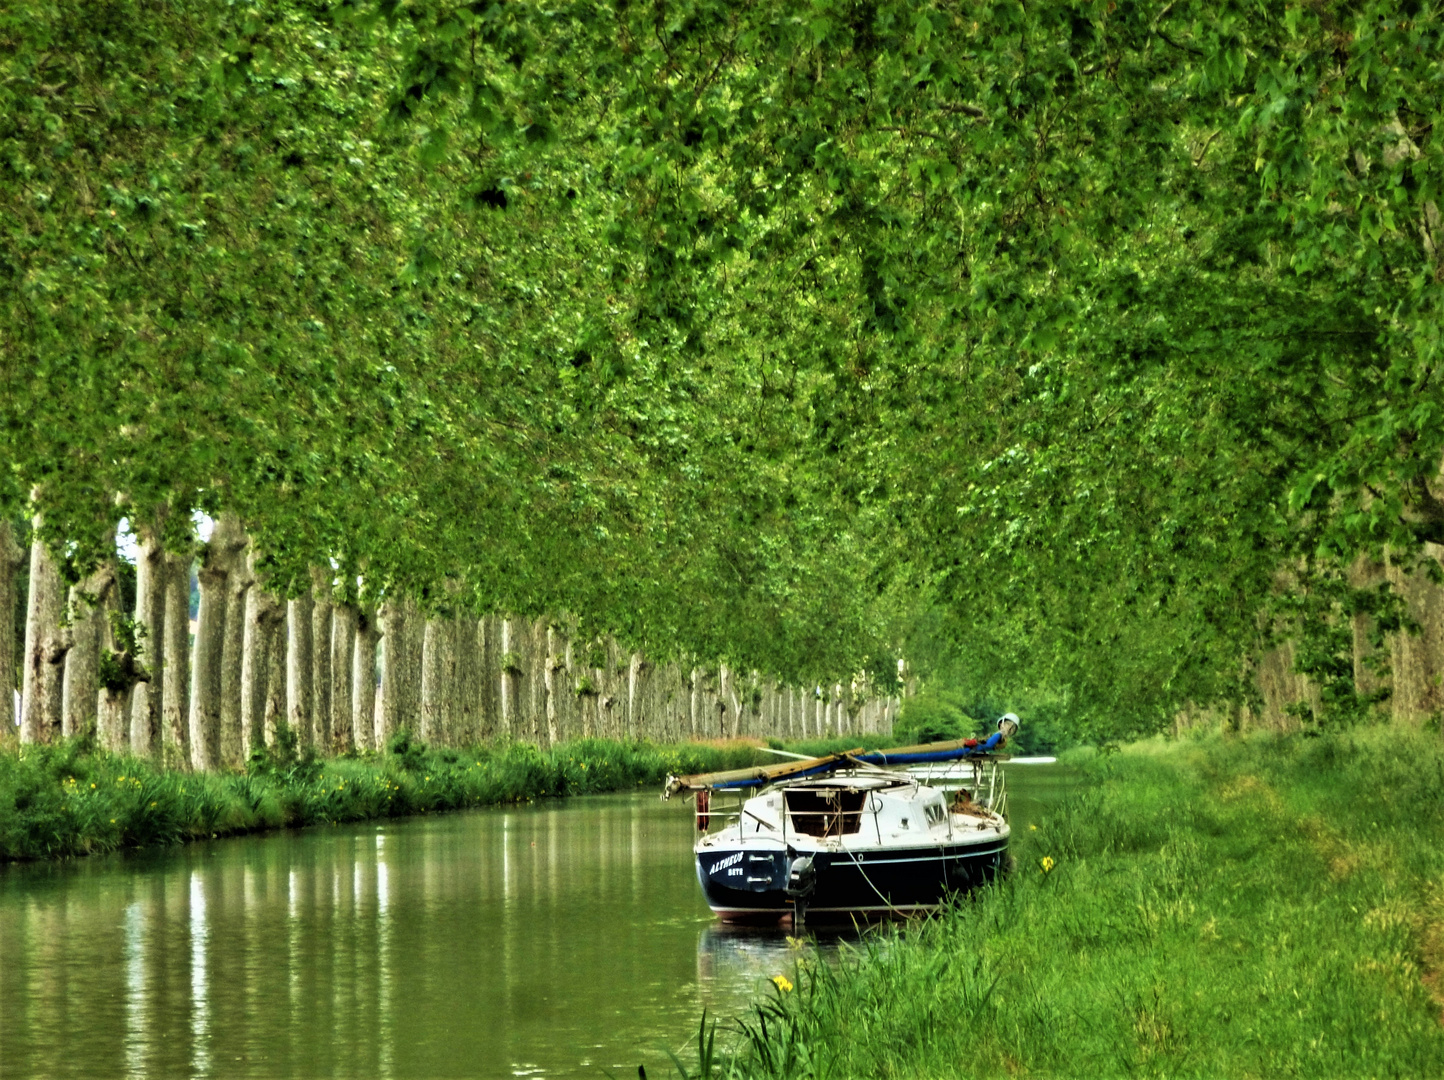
[
  {"x": 1033, "y": 828},
  {"x": 782, "y": 982},
  {"x": 1047, "y": 863}
]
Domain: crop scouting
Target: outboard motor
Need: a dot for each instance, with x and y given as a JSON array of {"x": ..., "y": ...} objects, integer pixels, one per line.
[
  {"x": 801, "y": 877},
  {"x": 801, "y": 880}
]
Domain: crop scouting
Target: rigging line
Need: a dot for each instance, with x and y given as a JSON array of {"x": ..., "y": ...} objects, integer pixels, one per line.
[{"x": 853, "y": 856}]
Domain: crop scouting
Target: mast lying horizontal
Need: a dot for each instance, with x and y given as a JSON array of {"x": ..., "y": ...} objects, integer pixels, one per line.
[{"x": 759, "y": 775}]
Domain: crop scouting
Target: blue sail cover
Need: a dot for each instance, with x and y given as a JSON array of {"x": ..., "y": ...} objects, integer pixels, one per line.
[{"x": 883, "y": 757}]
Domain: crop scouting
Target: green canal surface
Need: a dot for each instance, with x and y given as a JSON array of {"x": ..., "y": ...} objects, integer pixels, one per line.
[{"x": 558, "y": 939}]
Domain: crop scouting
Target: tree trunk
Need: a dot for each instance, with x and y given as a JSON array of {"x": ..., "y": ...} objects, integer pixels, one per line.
[
  {"x": 87, "y": 612},
  {"x": 570, "y": 704},
  {"x": 343, "y": 648},
  {"x": 150, "y": 586},
  {"x": 300, "y": 706},
  {"x": 277, "y": 652},
  {"x": 466, "y": 682},
  {"x": 401, "y": 645},
  {"x": 392, "y": 617},
  {"x": 239, "y": 583},
  {"x": 490, "y": 674},
  {"x": 217, "y": 567},
  {"x": 322, "y": 587},
  {"x": 11, "y": 554},
  {"x": 40, "y": 706},
  {"x": 264, "y": 615},
  {"x": 408, "y": 653},
  {"x": 552, "y": 665},
  {"x": 728, "y": 704},
  {"x": 121, "y": 671},
  {"x": 528, "y": 682},
  {"x": 507, "y": 663},
  {"x": 695, "y": 702},
  {"x": 534, "y": 695},
  {"x": 175, "y": 670},
  {"x": 438, "y": 661},
  {"x": 1417, "y": 656},
  {"x": 363, "y": 679},
  {"x": 634, "y": 676}
]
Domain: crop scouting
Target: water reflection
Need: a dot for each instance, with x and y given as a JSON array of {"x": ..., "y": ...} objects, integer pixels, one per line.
[
  {"x": 200, "y": 1004},
  {"x": 558, "y": 940},
  {"x": 134, "y": 991}
]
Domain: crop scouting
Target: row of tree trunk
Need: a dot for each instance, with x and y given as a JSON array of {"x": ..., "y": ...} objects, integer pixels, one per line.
[
  {"x": 333, "y": 676},
  {"x": 1403, "y": 669}
]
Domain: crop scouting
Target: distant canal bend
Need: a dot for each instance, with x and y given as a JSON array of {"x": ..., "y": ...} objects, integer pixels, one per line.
[{"x": 558, "y": 939}]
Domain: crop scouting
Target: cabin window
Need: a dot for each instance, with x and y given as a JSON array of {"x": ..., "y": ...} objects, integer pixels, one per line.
[{"x": 825, "y": 812}]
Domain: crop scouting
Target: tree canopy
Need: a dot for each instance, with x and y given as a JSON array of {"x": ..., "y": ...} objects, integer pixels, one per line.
[{"x": 1080, "y": 337}]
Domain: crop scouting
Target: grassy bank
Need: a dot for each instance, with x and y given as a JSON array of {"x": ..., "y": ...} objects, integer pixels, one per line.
[
  {"x": 1246, "y": 908},
  {"x": 71, "y": 799}
]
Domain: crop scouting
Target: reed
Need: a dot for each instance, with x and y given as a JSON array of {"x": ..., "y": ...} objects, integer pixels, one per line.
[
  {"x": 1268, "y": 906},
  {"x": 74, "y": 799}
]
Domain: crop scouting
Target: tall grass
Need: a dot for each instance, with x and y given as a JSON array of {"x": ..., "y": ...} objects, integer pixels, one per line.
[
  {"x": 1265, "y": 907},
  {"x": 72, "y": 799}
]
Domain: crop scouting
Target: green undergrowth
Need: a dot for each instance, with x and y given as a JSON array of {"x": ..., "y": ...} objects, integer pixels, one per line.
[
  {"x": 71, "y": 799},
  {"x": 1217, "y": 907}
]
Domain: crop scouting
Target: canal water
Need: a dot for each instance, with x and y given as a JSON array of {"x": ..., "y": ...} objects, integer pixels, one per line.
[{"x": 564, "y": 938}]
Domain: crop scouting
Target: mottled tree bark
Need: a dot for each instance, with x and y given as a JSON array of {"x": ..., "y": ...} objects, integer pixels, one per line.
[
  {"x": 393, "y": 627},
  {"x": 393, "y": 671},
  {"x": 466, "y": 684},
  {"x": 534, "y": 695},
  {"x": 87, "y": 610},
  {"x": 240, "y": 580},
  {"x": 489, "y": 642},
  {"x": 175, "y": 670},
  {"x": 277, "y": 651},
  {"x": 40, "y": 704},
  {"x": 218, "y": 564},
  {"x": 731, "y": 706},
  {"x": 264, "y": 615},
  {"x": 437, "y": 656},
  {"x": 363, "y": 679},
  {"x": 124, "y": 674},
  {"x": 510, "y": 672},
  {"x": 300, "y": 705},
  {"x": 322, "y": 586},
  {"x": 11, "y": 553},
  {"x": 1416, "y": 656},
  {"x": 634, "y": 679},
  {"x": 343, "y": 649},
  {"x": 150, "y": 586},
  {"x": 694, "y": 718},
  {"x": 569, "y": 702},
  {"x": 553, "y": 665},
  {"x": 205, "y": 695},
  {"x": 407, "y": 656}
]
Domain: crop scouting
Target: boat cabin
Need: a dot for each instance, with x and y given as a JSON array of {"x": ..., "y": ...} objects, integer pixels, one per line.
[{"x": 845, "y": 806}]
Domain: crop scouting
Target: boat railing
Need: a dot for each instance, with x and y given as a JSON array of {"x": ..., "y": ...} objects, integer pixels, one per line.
[{"x": 999, "y": 800}]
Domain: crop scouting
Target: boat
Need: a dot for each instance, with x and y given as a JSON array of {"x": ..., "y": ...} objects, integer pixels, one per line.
[{"x": 854, "y": 835}]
